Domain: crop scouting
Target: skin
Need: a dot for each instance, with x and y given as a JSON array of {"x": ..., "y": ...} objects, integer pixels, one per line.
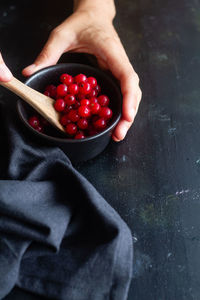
[
  {"x": 5, "y": 74},
  {"x": 90, "y": 29}
]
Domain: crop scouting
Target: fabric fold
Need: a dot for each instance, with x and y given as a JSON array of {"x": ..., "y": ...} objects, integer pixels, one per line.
[{"x": 59, "y": 238}]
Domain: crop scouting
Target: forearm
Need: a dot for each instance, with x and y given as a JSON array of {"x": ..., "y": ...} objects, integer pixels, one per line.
[{"x": 96, "y": 7}]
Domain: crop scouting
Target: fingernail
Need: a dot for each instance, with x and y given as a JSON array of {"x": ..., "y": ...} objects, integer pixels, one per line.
[
  {"x": 123, "y": 132},
  {"x": 115, "y": 139},
  {"x": 5, "y": 74},
  {"x": 132, "y": 113}
]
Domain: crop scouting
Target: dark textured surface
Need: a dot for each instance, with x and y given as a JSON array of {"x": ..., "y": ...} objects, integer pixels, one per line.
[{"x": 152, "y": 178}]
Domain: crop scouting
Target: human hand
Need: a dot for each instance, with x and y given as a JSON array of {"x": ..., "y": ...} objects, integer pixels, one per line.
[
  {"x": 88, "y": 32},
  {"x": 5, "y": 74}
]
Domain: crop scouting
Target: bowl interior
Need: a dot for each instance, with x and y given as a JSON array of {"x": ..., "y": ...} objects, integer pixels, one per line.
[{"x": 51, "y": 75}]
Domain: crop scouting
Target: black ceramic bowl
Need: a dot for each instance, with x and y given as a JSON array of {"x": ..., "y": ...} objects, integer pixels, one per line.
[{"x": 83, "y": 149}]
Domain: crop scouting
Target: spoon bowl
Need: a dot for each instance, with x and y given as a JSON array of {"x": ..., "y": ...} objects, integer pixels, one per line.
[{"x": 41, "y": 103}]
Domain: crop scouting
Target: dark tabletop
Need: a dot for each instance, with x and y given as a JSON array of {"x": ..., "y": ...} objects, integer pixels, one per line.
[{"x": 153, "y": 177}]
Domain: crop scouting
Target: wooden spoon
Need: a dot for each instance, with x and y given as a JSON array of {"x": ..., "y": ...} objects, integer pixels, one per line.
[{"x": 43, "y": 104}]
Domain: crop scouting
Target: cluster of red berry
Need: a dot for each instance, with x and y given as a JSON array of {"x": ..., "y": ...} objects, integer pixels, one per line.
[{"x": 83, "y": 111}]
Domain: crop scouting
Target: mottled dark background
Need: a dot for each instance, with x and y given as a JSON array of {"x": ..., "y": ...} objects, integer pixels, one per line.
[{"x": 151, "y": 178}]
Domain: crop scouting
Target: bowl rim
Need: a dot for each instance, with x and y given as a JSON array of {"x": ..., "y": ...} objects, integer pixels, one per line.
[{"x": 69, "y": 140}]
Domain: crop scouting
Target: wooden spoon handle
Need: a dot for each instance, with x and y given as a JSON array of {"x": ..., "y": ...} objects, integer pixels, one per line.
[{"x": 43, "y": 104}]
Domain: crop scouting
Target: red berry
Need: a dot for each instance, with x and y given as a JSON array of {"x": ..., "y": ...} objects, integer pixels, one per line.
[
  {"x": 59, "y": 105},
  {"x": 94, "y": 119},
  {"x": 47, "y": 93},
  {"x": 103, "y": 100},
  {"x": 64, "y": 120},
  {"x": 93, "y": 93},
  {"x": 100, "y": 124},
  {"x": 80, "y": 96},
  {"x": 97, "y": 89},
  {"x": 93, "y": 100},
  {"x": 61, "y": 90},
  {"x": 52, "y": 90},
  {"x": 67, "y": 109},
  {"x": 84, "y": 88},
  {"x": 92, "y": 81},
  {"x": 34, "y": 121},
  {"x": 84, "y": 111},
  {"x": 73, "y": 89},
  {"x": 71, "y": 128},
  {"x": 76, "y": 104},
  {"x": 82, "y": 123},
  {"x": 73, "y": 115},
  {"x": 80, "y": 78},
  {"x": 39, "y": 128},
  {"x": 66, "y": 79},
  {"x": 70, "y": 99},
  {"x": 105, "y": 113},
  {"x": 85, "y": 102},
  {"x": 79, "y": 135},
  {"x": 44, "y": 122},
  {"x": 92, "y": 131},
  {"x": 95, "y": 108}
]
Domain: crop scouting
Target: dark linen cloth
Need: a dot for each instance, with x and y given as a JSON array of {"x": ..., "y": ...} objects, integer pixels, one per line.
[{"x": 58, "y": 237}]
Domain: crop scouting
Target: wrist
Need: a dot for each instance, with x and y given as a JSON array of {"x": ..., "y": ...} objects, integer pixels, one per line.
[{"x": 96, "y": 9}]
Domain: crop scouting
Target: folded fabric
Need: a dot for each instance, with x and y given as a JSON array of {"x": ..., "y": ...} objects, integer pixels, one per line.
[{"x": 58, "y": 237}]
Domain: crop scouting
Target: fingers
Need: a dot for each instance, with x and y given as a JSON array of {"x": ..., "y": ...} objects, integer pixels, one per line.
[
  {"x": 102, "y": 64},
  {"x": 131, "y": 99},
  {"x": 5, "y": 74},
  {"x": 121, "y": 68},
  {"x": 50, "y": 54},
  {"x": 121, "y": 130}
]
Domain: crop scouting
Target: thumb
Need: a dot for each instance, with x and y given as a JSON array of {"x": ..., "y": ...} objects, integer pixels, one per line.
[
  {"x": 50, "y": 54},
  {"x": 5, "y": 74}
]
